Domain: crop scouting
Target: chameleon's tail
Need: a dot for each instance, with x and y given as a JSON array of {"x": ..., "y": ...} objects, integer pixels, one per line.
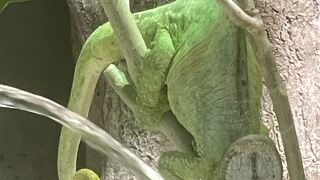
[
  {"x": 79, "y": 102},
  {"x": 100, "y": 50},
  {"x": 85, "y": 174}
]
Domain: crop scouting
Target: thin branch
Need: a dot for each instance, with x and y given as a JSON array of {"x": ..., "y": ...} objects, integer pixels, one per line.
[
  {"x": 263, "y": 52},
  {"x": 119, "y": 82},
  {"x": 239, "y": 17},
  {"x": 131, "y": 42}
]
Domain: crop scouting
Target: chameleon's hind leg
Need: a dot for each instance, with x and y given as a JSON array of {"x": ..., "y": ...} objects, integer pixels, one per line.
[
  {"x": 176, "y": 165},
  {"x": 100, "y": 50}
]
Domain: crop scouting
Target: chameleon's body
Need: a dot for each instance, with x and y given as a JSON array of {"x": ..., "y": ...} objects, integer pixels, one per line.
[
  {"x": 198, "y": 67},
  {"x": 214, "y": 91}
]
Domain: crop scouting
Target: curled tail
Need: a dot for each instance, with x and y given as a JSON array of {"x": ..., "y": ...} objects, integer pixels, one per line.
[{"x": 100, "y": 50}]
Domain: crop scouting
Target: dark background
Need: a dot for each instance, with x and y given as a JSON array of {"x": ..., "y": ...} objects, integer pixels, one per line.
[{"x": 35, "y": 55}]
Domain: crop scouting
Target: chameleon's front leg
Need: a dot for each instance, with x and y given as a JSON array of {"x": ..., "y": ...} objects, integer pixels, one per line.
[
  {"x": 151, "y": 92},
  {"x": 100, "y": 50}
]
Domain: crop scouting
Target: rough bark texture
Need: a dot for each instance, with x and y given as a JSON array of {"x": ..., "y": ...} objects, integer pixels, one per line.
[
  {"x": 85, "y": 17},
  {"x": 293, "y": 27},
  {"x": 248, "y": 157}
]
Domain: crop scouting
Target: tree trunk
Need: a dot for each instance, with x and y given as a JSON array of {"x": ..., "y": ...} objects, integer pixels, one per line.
[{"x": 292, "y": 28}]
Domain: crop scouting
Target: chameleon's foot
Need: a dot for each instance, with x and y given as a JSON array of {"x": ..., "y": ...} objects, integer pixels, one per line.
[
  {"x": 85, "y": 174},
  {"x": 178, "y": 166},
  {"x": 251, "y": 157}
]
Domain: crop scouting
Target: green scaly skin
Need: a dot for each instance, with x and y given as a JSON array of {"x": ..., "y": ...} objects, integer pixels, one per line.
[{"x": 198, "y": 66}]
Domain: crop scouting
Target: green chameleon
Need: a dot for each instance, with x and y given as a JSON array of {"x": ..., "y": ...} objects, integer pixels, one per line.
[{"x": 199, "y": 66}]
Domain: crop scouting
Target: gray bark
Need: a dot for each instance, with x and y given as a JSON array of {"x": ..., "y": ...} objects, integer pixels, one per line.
[
  {"x": 293, "y": 28},
  {"x": 85, "y": 17}
]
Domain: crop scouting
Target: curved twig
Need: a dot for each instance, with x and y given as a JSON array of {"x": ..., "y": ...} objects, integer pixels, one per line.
[{"x": 131, "y": 42}]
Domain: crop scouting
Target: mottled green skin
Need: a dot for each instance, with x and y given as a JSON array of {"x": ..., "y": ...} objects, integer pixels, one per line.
[
  {"x": 199, "y": 66},
  {"x": 208, "y": 91},
  {"x": 213, "y": 88}
]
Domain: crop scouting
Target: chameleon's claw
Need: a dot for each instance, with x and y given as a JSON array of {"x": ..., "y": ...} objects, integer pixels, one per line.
[{"x": 85, "y": 174}]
